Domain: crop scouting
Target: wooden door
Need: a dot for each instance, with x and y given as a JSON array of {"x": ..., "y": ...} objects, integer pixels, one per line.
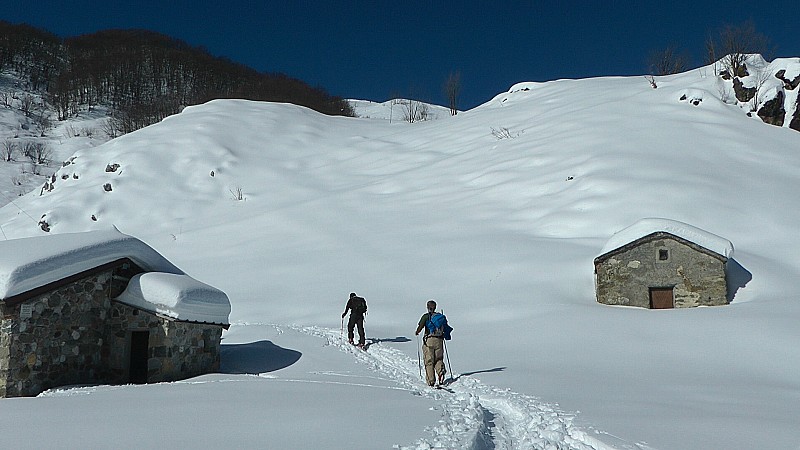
[{"x": 661, "y": 298}]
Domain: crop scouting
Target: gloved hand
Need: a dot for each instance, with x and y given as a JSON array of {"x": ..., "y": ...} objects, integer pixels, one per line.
[{"x": 344, "y": 314}]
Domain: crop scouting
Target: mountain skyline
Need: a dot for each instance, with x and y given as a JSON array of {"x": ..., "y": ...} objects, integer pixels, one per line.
[{"x": 381, "y": 50}]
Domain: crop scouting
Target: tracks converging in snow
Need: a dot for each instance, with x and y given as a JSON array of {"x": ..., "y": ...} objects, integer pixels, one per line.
[{"x": 475, "y": 416}]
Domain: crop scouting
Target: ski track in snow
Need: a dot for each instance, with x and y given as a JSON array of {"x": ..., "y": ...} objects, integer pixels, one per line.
[{"x": 475, "y": 416}]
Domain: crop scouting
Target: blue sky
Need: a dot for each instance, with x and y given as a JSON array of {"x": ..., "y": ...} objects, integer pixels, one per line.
[{"x": 377, "y": 49}]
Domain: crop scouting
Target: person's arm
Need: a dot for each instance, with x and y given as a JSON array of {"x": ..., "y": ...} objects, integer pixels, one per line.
[
  {"x": 346, "y": 308},
  {"x": 420, "y": 326}
]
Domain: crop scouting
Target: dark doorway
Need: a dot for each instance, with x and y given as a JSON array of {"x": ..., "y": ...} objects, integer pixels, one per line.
[
  {"x": 140, "y": 344},
  {"x": 661, "y": 298}
]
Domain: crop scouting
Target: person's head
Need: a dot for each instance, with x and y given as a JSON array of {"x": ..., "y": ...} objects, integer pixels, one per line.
[
  {"x": 352, "y": 294},
  {"x": 431, "y": 305}
]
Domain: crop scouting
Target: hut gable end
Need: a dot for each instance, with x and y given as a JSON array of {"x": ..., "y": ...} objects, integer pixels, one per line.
[{"x": 657, "y": 236}]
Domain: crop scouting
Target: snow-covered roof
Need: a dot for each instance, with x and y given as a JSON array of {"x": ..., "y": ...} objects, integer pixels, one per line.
[
  {"x": 648, "y": 226},
  {"x": 29, "y": 263},
  {"x": 180, "y": 297}
]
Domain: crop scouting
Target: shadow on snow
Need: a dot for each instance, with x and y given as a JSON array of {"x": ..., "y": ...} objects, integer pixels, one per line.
[
  {"x": 255, "y": 357},
  {"x": 737, "y": 277},
  {"x": 475, "y": 372},
  {"x": 370, "y": 341}
]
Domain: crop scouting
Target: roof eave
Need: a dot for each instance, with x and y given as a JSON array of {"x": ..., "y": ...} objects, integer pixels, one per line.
[{"x": 658, "y": 235}]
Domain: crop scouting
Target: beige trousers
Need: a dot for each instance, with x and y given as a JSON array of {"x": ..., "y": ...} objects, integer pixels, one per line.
[{"x": 433, "y": 354}]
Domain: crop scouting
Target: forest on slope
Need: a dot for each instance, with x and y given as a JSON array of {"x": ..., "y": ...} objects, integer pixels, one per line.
[{"x": 141, "y": 75}]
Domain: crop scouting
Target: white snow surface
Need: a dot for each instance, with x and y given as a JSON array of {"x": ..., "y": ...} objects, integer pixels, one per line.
[
  {"x": 498, "y": 214},
  {"x": 178, "y": 296},
  {"x": 648, "y": 226}
]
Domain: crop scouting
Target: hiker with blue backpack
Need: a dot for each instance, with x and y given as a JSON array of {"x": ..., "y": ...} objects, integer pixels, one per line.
[{"x": 436, "y": 331}]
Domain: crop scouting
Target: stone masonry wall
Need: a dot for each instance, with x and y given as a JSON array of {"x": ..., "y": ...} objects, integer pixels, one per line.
[
  {"x": 177, "y": 350},
  {"x": 697, "y": 278},
  {"x": 77, "y": 335},
  {"x": 60, "y": 343}
]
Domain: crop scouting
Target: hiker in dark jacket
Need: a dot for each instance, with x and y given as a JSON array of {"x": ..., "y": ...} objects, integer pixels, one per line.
[
  {"x": 432, "y": 349},
  {"x": 357, "y": 307}
]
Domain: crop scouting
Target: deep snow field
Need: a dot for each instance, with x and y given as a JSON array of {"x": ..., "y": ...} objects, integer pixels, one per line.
[{"x": 497, "y": 213}]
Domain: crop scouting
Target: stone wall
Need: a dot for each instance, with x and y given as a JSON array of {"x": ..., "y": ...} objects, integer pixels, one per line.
[
  {"x": 177, "y": 350},
  {"x": 697, "y": 276},
  {"x": 76, "y": 334},
  {"x": 60, "y": 343}
]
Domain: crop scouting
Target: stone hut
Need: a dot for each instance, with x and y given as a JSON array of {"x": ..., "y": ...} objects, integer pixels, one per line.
[
  {"x": 101, "y": 308},
  {"x": 662, "y": 263}
]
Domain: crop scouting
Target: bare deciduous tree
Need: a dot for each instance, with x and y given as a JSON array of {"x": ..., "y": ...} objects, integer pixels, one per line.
[
  {"x": 5, "y": 98},
  {"x": 761, "y": 78},
  {"x": 26, "y": 104},
  {"x": 42, "y": 121},
  {"x": 110, "y": 129},
  {"x": 711, "y": 54},
  {"x": 9, "y": 148},
  {"x": 38, "y": 152},
  {"x": 452, "y": 89},
  {"x": 668, "y": 61},
  {"x": 734, "y": 44},
  {"x": 415, "y": 111}
]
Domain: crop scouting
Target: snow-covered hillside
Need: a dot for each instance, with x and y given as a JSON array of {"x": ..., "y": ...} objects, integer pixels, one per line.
[
  {"x": 497, "y": 213},
  {"x": 20, "y": 174}
]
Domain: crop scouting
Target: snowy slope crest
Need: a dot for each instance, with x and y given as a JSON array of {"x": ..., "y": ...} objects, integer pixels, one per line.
[
  {"x": 395, "y": 110},
  {"x": 769, "y": 91}
]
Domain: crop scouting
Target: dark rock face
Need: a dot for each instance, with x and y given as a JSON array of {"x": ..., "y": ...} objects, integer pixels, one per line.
[
  {"x": 788, "y": 84},
  {"x": 795, "y": 123},
  {"x": 743, "y": 94},
  {"x": 772, "y": 112}
]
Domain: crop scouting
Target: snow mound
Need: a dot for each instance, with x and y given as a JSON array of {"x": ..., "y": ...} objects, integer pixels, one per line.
[
  {"x": 648, "y": 226},
  {"x": 33, "y": 262},
  {"x": 178, "y": 296}
]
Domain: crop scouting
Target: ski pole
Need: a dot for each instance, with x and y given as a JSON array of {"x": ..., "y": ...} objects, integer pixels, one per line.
[
  {"x": 447, "y": 355},
  {"x": 419, "y": 361},
  {"x": 341, "y": 330}
]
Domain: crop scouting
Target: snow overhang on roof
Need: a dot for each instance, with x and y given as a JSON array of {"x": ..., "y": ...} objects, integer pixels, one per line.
[
  {"x": 177, "y": 296},
  {"x": 649, "y": 226}
]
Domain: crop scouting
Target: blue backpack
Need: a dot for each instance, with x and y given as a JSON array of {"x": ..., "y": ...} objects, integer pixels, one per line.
[{"x": 437, "y": 326}]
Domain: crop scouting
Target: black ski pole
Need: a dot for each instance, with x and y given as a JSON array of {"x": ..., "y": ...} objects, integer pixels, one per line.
[
  {"x": 447, "y": 355},
  {"x": 419, "y": 361}
]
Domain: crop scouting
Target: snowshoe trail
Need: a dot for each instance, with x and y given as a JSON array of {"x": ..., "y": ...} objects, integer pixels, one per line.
[{"x": 476, "y": 416}]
